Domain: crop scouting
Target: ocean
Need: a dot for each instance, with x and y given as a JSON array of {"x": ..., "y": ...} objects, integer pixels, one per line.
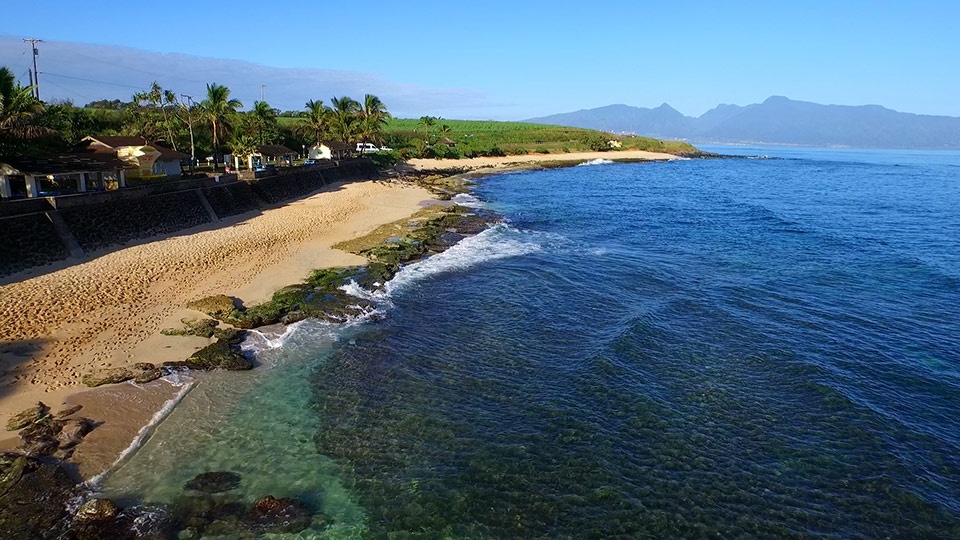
[{"x": 753, "y": 347}]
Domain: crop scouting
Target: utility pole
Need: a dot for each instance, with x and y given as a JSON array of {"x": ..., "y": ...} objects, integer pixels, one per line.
[
  {"x": 36, "y": 85},
  {"x": 262, "y": 86}
]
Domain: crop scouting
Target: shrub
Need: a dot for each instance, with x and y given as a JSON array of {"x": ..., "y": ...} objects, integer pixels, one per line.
[
  {"x": 386, "y": 159},
  {"x": 542, "y": 150}
]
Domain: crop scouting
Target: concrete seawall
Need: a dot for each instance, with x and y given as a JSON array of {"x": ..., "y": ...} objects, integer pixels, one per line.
[{"x": 43, "y": 231}]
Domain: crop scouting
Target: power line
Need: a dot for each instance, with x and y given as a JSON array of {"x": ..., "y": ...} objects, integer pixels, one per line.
[
  {"x": 70, "y": 90},
  {"x": 93, "y": 81},
  {"x": 114, "y": 64}
]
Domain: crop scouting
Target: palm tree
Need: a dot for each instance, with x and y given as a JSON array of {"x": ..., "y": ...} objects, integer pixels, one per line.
[
  {"x": 317, "y": 116},
  {"x": 373, "y": 117},
  {"x": 18, "y": 111},
  {"x": 264, "y": 116},
  {"x": 428, "y": 123},
  {"x": 243, "y": 146},
  {"x": 218, "y": 108},
  {"x": 346, "y": 113}
]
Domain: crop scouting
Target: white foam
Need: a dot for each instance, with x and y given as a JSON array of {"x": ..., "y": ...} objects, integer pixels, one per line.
[
  {"x": 144, "y": 432},
  {"x": 262, "y": 340},
  {"x": 497, "y": 242},
  {"x": 468, "y": 200},
  {"x": 597, "y": 161}
]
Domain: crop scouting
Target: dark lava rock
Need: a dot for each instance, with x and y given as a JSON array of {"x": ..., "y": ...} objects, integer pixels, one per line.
[
  {"x": 444, "y": 241},
  {"x": 218, "y": 306},
  {"x": 33, "y": 497},
  {"x": 139, "y": 373},
  {"x": 214, "y": 482},
  {"x": 470, "y": 224},
  {"x": 41, "y": 438},
  {"x": 28, "y": 417},
  {"x": 101, "y": 519},
  {"x": 73, "y": 431},
  {"x": 68, "y": 412},
  {"x": 97, "y": 510},
  {"x": 225, "y": 353},
  {"x": 272, "y": 515}
]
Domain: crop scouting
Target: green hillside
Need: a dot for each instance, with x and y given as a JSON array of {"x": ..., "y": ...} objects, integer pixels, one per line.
[{"x": 484, "y": 137}]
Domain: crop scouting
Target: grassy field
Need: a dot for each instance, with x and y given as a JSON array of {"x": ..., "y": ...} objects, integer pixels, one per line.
[{"x": 477, "y": 136}]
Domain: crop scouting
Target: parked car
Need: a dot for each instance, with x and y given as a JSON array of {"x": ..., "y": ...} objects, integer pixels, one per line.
[{"x": 370, "y": 148}]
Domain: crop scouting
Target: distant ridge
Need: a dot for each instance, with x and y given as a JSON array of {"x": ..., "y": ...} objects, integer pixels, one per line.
[{"x": 778, "y": 120}]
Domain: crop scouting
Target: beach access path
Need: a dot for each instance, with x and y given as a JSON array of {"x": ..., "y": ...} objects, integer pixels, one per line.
[{"x": 64, "y": 321}]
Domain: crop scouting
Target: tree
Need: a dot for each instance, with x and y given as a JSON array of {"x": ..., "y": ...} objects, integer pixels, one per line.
[
  {"x": 19, "y": 110},
  {"x": 151, "y": 103},
  {"x": 264, "y": 117},
  {"x": 373, "y": 118},
  {"x": 317, "y": 116},
  {"x": 218, "y": 108},
  {"x": 428, "y": 124},
  {"x": 345, "y": 118},
  {"x": 243, "y": 146},
  {"x": 188, "y": 114}
]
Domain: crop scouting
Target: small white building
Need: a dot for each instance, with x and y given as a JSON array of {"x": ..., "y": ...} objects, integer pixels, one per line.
[{"x": 329, "y": 150}]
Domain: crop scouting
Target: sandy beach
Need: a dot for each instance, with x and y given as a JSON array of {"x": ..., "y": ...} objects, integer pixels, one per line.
[
  {"x": 108, "y": 311},
  {"x": 517, "y": 161}
]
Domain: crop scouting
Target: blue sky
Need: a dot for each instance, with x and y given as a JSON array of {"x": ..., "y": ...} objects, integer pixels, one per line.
[{"x": 514, "y": 60}]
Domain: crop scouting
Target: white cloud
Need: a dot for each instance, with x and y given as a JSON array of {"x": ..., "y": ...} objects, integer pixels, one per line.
[{"x": 84, "y": 72}]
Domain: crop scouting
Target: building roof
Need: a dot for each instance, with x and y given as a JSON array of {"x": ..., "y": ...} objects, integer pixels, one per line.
[
  {"x": 274, "y": 150},
  {"x": 109, "y": 144},
  {"x": 63, "y": 163}
]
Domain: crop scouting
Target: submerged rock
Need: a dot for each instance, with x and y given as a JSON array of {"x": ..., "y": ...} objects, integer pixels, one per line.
[
  {"x": 272, "y": 515},
  {"x": 28, "y": 417},
  {"x": 73, "y": 431},
  {"x": 214, "y": 482},
  {"x": 68, "y": 412}
]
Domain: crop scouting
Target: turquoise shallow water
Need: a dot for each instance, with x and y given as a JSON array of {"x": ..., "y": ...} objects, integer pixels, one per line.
[{"x": 749, "y": 347}]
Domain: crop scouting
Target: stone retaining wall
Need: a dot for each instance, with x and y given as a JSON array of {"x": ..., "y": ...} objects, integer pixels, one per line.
[
  {"x": 28, "y": 241},
  {"x": 101, "y": 221},
  {"x": 116, "y": 223}
]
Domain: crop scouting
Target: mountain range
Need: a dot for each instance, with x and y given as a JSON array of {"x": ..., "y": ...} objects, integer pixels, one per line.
[{"x": 778, "y": 120}]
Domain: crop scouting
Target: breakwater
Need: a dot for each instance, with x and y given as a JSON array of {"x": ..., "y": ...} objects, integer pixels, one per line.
[{"x": 51, "y": 229}]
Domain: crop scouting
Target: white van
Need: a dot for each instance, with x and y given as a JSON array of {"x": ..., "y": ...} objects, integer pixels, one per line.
[{"x": 370, "y": 148}]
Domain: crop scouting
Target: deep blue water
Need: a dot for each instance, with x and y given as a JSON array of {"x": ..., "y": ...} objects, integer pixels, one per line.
[{"x": 744, "y": 347}]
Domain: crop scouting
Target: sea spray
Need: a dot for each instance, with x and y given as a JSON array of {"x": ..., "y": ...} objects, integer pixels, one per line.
[{"x": 598, "y": 161}]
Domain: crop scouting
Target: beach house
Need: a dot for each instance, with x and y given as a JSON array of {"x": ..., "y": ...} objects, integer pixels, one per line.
[{"x": 144, "y": 159}]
